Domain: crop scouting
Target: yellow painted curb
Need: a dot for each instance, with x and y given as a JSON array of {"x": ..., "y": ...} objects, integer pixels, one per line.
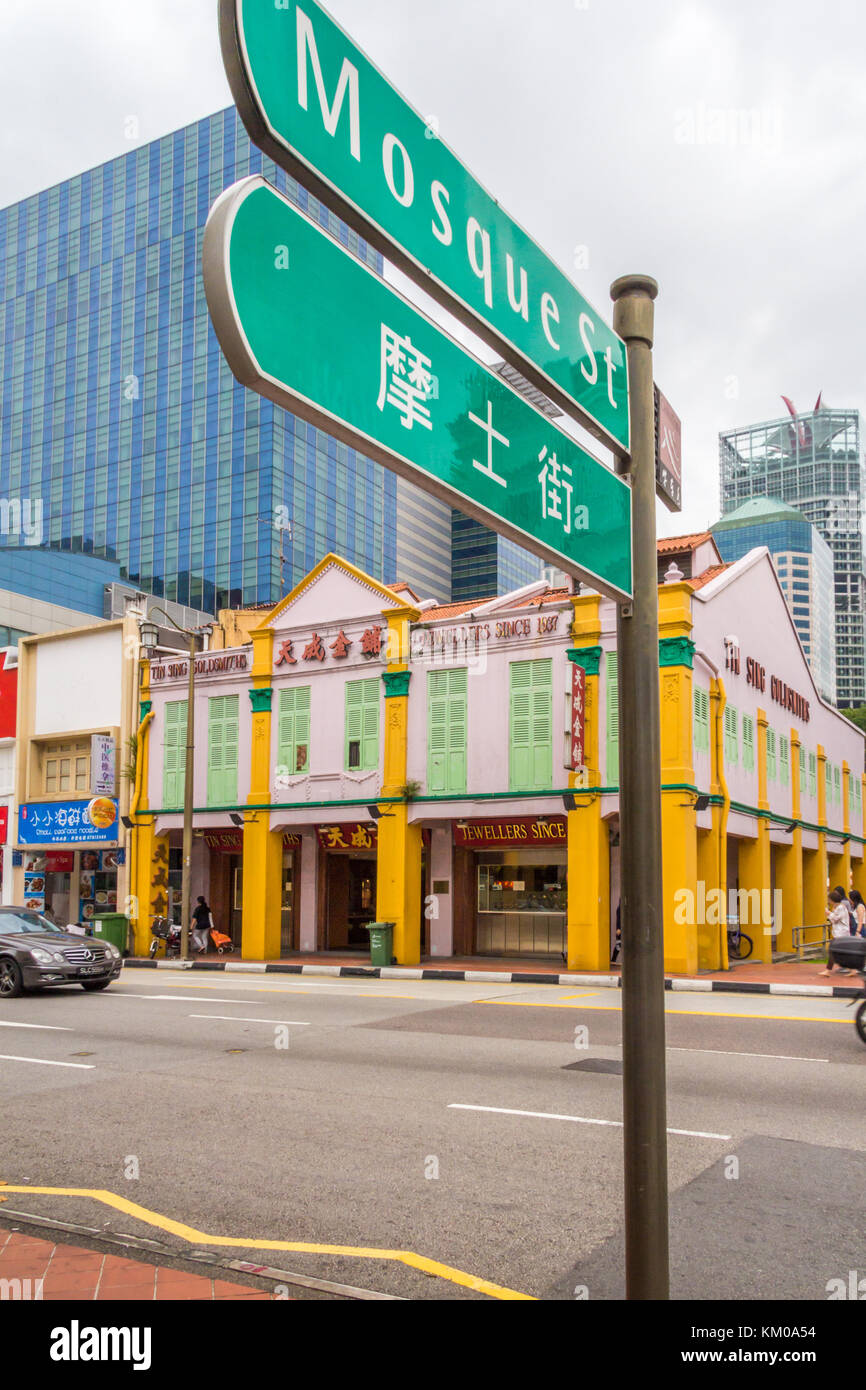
[{"x": 194, "y": 1237}]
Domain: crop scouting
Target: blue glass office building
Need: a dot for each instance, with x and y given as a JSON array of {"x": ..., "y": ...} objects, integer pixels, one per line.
[{"x": 118, "y": 411}]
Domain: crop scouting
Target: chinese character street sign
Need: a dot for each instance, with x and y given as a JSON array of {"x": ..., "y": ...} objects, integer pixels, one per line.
[
  {"x": 669, "y": 454},
  {"x": 103, "y": 760},
  {"x": 578, "y": 715},
  {"x": 312, "y": 101},
  {"x": 278, "y": 287}
]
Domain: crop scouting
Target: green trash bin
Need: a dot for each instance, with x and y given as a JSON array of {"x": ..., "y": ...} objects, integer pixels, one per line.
[
  {"x": 381, "y": 943},
  {"x": 113, "y": 927}
]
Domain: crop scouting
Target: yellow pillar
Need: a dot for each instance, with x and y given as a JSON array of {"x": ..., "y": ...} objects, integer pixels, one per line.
[
  {"x": 263, "y": 847},
  {"x": 146, "y": 899},
  {"x": 679, "y": 835},
  {"x": 588, "y": 841},
  {"x": 815, "y": 861},
  {"x": 754, "y": 865},
  {"x": 712, "y": 854},
  {"x": 846, "y": 827},
  {"x": 858, "y": 866},
  {"x": 398, "y": 869},
  {"x": 789, "y": 862}
]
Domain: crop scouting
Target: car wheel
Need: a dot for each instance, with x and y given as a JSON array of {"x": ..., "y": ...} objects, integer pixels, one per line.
[
  {"x": 11, "y": 979},
  {"x": 91, "y": 985}
]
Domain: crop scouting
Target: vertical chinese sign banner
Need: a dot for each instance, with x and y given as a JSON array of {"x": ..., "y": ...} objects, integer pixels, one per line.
[{"x": 578, "y": 725}]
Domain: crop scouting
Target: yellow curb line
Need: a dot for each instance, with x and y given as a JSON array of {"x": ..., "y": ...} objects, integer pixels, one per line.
[{"x": 194, "y": 1237}]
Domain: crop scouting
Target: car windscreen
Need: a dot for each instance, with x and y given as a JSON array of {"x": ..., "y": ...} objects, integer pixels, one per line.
[{"x": 12, "y": 923}]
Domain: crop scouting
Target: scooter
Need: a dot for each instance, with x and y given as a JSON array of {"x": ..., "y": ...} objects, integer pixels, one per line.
[
  {"x": 860, "y": 1001},
  {"x": 169, "y": 932}
]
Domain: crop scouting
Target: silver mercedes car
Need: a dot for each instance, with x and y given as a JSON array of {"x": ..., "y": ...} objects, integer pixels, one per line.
[{"x": 34, "y": 954}]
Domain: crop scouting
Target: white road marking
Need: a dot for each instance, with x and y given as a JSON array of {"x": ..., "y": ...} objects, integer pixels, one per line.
[
  {"x": 773, "y": 1056},
  {"x": 50, "y": 1027},
  {"x": 579, "y": 1120},
  {"x": 233, "y": 1018},
  {"x": 183, "y": 998},
  {"x": 42, "y": 1062}
]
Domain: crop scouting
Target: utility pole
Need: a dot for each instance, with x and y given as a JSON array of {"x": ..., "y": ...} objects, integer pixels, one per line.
[{"x": 641, "y": 914}]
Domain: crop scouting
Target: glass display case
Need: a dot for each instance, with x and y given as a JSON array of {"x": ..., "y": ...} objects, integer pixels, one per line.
[{"x": 522, "y": 907}]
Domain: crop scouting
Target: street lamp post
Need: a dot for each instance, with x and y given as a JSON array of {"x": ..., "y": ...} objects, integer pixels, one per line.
[{"x": 189, "y": 767}]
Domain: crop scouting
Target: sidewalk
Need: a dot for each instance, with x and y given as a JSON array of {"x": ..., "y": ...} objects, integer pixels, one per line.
[
  {"x": 50, "y": 1271},
  {"x": 746, "y": 977}
]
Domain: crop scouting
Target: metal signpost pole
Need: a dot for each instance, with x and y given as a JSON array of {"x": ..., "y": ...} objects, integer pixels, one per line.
[
  {"x": 188, "y": 796},
  {"x": 643, "y": 1019}
]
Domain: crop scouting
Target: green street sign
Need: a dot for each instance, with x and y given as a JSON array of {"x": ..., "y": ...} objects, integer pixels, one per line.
[
  {"x": 303, "y": 321},
  {"x": 311, "y": 99}
]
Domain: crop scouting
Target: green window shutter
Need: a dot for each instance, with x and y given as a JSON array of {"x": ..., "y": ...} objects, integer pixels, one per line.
[
  {"x": 802, "y": 770},
  {"x": 732, "y": 734},
  {"x": 222, "y": 750},
  {"x": 813, "y": 775},
  {"x": 293, "y": 730},
  {"x": 701, "y": 720},
  {"x": 611, "y": 684},
  {"x": 783, "y": 760},
  {"x": 748, "y": 743},
  {"x": 771, "y": 755},
  {"x": 837, "y": 786},
  {"x": 531, "y": 725},
  {"x": 447, "y": 724},
  {"x": 174, "y": 753},
  {"x": 362, "y": 724}
]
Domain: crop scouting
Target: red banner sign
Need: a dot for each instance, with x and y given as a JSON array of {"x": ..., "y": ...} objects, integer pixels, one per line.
[
  {"x": 517, "y": 831},
  {"x": 232, "y": 841},
  {"x": 4, "y": 824},
  {"x": 356, "y": 836},
  {"x": 578, "y": 709}
]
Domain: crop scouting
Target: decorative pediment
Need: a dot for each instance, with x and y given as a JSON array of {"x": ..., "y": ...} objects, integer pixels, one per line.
[{"x": 334, "y": 591}]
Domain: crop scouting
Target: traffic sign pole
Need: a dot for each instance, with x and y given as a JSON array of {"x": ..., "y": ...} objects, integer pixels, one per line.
[{"x": 641, "y": 915}]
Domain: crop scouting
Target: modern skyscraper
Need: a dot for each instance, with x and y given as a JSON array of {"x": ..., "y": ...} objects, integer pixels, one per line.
[
  {"x": 804, "y": 563},
  {"x": 814, "y": 463},
  {"x": 119, "y": 416}
]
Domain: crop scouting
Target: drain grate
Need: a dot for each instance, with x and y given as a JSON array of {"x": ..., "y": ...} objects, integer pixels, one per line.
[{"x": 600, "y": 1064}]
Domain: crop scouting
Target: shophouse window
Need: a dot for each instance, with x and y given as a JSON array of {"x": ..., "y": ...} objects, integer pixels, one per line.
[
  {"x": 446, "y": 731},
  {"x": 531, "y": 759},
  {"x": 362, "y": 725},
  {"x": 732, "y": 747},
  {"x": 813, "y": 775},
  {"x": 784, "y": 760},
  {"x": 66, "y": 768},
  {"x": 748, "y": 743},
  {"x": 771, "y": 755},
  {"x": 222, "y": 750},
  {"x": 293, "y": 736},
  {"x": 611, "y": 685},
  {"x": 174, "y": 753},
  {"x": 802, "y": 771},
  {"x": 837, "y": 786},
  {"x": 702, "y": 720}
]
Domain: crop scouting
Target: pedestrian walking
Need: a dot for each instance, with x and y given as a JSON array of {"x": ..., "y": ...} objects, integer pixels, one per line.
[
  {"x": 839, "y": 920},
  {"x": 859, "y": 911},
  {"x": 203, "y": 923},
  {"x": 849, "y": 908}
]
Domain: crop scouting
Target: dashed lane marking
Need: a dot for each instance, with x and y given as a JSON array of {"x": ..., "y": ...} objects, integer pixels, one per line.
[
  {"x": 196, "y": 1237},
  {"x": 233, "y": 1018},
  {"x": 580, "y": 1120}
]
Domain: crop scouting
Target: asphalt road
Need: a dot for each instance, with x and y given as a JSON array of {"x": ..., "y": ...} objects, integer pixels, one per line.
[{"x": 476, "y": 1125}]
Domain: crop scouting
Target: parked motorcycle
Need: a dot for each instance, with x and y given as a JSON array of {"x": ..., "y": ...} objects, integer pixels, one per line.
[{"x": 169, "y": 932}]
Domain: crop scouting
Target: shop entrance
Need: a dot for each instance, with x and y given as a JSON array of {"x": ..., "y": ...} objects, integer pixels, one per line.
[
  {"x": 522, "y": 902},
  {"x": 350, "y": 899}
]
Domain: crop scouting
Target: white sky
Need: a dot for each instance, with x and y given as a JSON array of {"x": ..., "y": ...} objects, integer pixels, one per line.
[{"x": 585, "y": 119}]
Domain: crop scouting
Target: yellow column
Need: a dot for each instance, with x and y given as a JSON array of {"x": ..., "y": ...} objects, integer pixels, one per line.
[
  {"x": 263, "y": 847},
  {"x": 679, "y": 836},
  {"x": 815, "y": 861},
  {"x": 846, "y": 827},
  {"x": 398, "y": 869},
  {"x": 754, "y": 864},
  {"x": 588, "y": 841},
  {"x": 146, "y": 898},
  {"x": 712, "y": 855},
  {"x": 789, "y": 862}
]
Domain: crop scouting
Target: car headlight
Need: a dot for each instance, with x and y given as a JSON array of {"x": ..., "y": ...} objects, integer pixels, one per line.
[
  {"x": 44, "y": 957},
  {"x": 112, "y": 950}
]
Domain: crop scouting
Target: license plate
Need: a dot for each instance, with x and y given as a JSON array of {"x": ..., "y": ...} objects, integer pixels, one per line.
[{"x": 91, "y": 969}]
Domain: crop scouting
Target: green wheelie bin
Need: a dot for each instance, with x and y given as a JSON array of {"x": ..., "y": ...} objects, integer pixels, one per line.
[
  {"x": 381, "y": 943},
  {"x": 113, "y": 927}
]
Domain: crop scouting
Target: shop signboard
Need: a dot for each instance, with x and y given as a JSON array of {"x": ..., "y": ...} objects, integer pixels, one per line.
[
  {"x": 34, "y": 891},
  {"x": 232, "y": 841},
  {"x": 513, "y": 831},
  {"x": 578, "y": 710},
  {"x": 312, "y": 100},
  {"x": 397, "y": 388},
  {"x": 353, "y": 836},
  {"x": 669, "y": 454},
  {"x": 4, "y": 824},
  {"x": 68, "y": 822},
  {"x": 103, "y": 765}
]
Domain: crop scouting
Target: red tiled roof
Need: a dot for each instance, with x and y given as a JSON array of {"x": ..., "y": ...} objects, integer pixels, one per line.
[
  {"x": 668, "y": 544},
  {"x": 699, "y": 580}
]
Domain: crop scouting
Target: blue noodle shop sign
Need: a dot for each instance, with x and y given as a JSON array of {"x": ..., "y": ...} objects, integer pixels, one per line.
[{"x": 68, "y": 822}]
